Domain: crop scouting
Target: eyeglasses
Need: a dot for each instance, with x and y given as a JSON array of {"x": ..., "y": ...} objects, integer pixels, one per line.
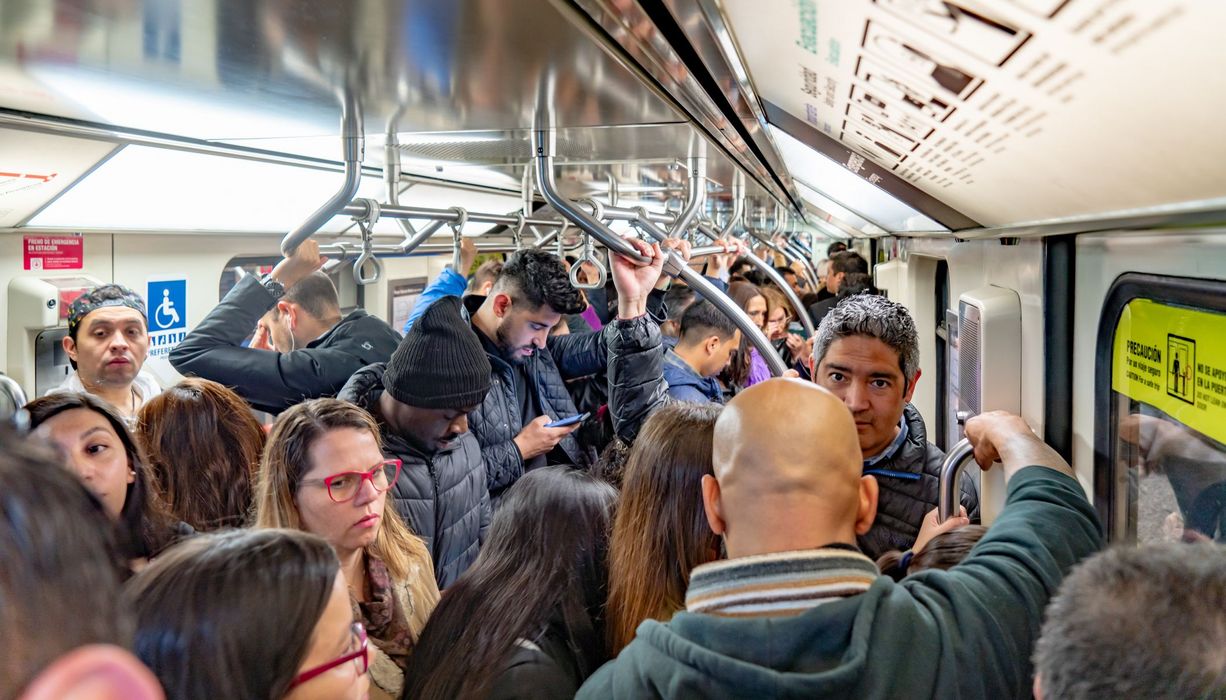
[
  {"x": 344, "y": 486},
  {"x": 359, "y": 655}
]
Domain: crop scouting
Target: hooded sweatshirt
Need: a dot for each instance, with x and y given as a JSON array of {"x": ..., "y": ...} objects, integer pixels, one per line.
[{"x": 967, "y": 632}]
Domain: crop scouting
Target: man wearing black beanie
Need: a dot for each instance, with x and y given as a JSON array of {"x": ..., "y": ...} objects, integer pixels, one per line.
[{"x": 421, "y": 398}]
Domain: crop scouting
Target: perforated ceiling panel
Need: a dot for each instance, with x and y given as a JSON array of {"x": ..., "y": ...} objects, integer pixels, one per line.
[{"x": 1009, "y": 111}]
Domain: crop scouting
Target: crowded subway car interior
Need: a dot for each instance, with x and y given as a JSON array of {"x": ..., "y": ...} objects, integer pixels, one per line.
[{"x": 612, "y": 348}]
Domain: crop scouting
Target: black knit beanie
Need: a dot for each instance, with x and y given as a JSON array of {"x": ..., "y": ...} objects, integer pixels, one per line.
[{"x": 440, "y": 363}]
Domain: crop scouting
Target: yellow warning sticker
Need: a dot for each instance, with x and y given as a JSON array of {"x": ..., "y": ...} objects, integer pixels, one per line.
[{"x": 1173, "y": 359}]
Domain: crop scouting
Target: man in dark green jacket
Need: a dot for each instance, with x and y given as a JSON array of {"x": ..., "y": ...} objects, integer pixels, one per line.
[{"x": 798, "y": 612}]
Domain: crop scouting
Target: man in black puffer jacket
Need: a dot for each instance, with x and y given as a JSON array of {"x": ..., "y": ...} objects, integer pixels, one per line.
[
  {"x": 421, "y": 399},
  {"x": 530, "y": 366},
  {"x": 866, "y": 352}
]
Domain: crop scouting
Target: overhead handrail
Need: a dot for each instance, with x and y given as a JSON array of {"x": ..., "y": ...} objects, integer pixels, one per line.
[
  {"x": 721, "y": 301},
  {"x": 392, "y": 170},
  {"x": 769, "y": 270},
  {"x": 950, "y": 478},
  {"x": 738, "y": 204},
  {"x": 517, "y": 233},
  {"x": 697, "y": 197},
  {"x": 353, "y": 146},
  {"x": 448, "y": 215},
  {"x": 367, "y": 256}
]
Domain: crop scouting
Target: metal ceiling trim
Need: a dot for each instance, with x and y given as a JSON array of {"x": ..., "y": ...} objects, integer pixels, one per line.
[
  {"x": 1200, "y": 213},
  {"x": 45, "y": 124},
  {"x": 886, "y": 180},
  {"x": 624, "y": 32}
]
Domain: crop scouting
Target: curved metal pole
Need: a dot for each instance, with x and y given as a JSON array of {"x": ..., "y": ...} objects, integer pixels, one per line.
[
  {"x": 767, "y": 269},
  {"x": 738, "y": 204},
  {"x": 697, "y": 197},
  {"x": 708, "y": 291},
  {"x": 545, "y": 140},
  {"x": 392, "y": 170},
  {"x": 20, "y": 418},
  {"x": 950, "y": 477},
  {"x": 354, "y": 146}
]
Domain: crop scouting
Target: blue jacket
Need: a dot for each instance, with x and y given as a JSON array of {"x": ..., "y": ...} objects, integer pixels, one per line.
[
  {"x": 684, "y": 384},
  {"x": 449, "y": 283}
]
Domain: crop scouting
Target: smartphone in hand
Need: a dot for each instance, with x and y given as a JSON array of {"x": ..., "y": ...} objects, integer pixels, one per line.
[{"x": 571, "y": 420}]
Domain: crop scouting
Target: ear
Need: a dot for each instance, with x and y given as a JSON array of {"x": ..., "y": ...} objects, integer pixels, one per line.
[
  {"x": 712, "y": 345},
  {"x": 131, "y": 474},
  {"x": 867, "y": 511},
  {"x": 911, "y": 386},
  {"x": 711, "y": 504},
  {"x": 70, "y": 347},
  {"x": 284, "y": 308},
  {"x": 502, "y": 305}
]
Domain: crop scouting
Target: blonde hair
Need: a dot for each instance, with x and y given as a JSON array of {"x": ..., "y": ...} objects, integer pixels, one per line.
[
  {"x": 776, "y": 299},
  {"x": 286, "y": 459}
]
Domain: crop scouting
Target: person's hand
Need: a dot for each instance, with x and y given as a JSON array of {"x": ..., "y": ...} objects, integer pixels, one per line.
[
  {"x": 535, "y": 439},
  {"x": 988, "y": 433},
  {"x": 634, "y": 281},
  {"x": 797, "y": 346},
  {"x": 304, "y": 260},
  {"x": 931, "y": 527},
  {"x": 262, "y": 340},
  {"x": 721, "y": 263},
  {"x": 468, "y": 256},
  {"x": 679, "y": 246}
]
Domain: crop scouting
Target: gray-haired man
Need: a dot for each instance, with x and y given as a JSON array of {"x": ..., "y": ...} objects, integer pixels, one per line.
[{"x": 866, "y": 351}]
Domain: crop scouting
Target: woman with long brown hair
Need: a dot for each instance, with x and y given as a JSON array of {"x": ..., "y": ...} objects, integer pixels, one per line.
[
  {"x": 324, "y": 472},
  {"x": 747, "y": 367},
  {"x": 204, "y": 448},
  {"x": 661, "y": 533},
  {"x": 101, "y": 451}
]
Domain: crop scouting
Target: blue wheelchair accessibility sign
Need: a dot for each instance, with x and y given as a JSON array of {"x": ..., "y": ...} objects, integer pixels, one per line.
[{"x": 167, "y": 302}]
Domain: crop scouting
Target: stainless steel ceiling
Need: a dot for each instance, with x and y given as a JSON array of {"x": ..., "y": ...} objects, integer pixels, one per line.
[{"x": 458, "y": 80}]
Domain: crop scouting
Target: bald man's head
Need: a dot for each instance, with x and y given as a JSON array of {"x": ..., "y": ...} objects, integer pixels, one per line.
[{"x": 788, "y": 471}]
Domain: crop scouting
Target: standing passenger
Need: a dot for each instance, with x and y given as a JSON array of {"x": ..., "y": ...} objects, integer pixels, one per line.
[
  {"x": 324, "y": 472},
  {"x": 314, "y": 350},
  {"x": 107, "y": 343},
  {"x": 63, "y": 631},
  {"x": 842, "y": 265},
  {"x": 867, "y": 352},
  {"x": 660, "y": 533},
  {"x": 748, "y": 367},
  {"x": 250, "y": 614},
  {"x": 204, "y": 448},
  {"x": 704, "y": 349},
  {"x": 100, "y": 449},
  {"x": 526, "y": 620},
  {"x": 422, "y": 399},
  {"x": 797, "y": 611}
]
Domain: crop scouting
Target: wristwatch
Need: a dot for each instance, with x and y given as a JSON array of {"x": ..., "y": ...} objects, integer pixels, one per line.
[{"x": 272, "y": 286}]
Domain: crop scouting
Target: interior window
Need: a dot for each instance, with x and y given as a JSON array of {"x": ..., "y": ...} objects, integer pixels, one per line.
[{"x": 1168, "y": 423}]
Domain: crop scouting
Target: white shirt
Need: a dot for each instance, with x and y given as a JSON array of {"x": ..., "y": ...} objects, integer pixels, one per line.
[{"x": 145, "y": 386}]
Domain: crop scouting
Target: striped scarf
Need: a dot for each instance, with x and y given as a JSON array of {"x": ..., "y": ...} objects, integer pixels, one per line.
[{"x": 783, "y": 583}]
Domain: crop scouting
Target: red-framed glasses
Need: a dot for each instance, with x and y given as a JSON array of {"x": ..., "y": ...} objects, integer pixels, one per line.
[
  {"x": 359, "y": 655},
  {"x": 344, "y": 486}
]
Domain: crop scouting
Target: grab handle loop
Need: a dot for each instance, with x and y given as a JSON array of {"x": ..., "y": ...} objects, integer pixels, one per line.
[
  {"x": 366, "y": 256},
  {"x": 517, "y": 233},
  {"x": 588, "y": 256}
]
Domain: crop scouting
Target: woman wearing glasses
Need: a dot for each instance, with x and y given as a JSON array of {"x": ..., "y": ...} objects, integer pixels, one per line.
[
  {"x": 323, "y": 472},
  {"x": 206, "y": 611}
]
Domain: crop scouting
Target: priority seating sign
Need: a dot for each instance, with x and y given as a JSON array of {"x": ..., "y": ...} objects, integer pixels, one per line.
[{"x": 166, "y": 302}]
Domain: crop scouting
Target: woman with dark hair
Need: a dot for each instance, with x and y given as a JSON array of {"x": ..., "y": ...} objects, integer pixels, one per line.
[
  {"x": 661, "y": 533},
  {"x": 525, "y": 620},
  {"x": 103, "y": 454},
  {"x": 249, "y": 614},
  {"x": 938, "y": 546},
  {"x": 324, "y": 472},
  {"x": 204, "y": 448},
  {"x": 747, "y": 367}
]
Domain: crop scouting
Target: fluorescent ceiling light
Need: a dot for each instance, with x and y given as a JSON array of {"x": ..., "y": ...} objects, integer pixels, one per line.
[
  {"x": 833, "y": 181},
  {"x": 153, "y": 189}
]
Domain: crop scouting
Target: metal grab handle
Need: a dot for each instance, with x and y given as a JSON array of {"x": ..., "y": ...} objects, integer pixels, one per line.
[
  {"x": 517, "y": 234},
  {"x": 948, "y": 492},
  {"x": 588, "y": 256},
  {"x": 367, "y": 255},
  {"x": 20, "y": 418}
]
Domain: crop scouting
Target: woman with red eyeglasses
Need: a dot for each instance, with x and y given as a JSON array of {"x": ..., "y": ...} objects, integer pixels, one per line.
[
  {"x": 249, "y": 614},
  {"x": 323, "y": 472}
]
